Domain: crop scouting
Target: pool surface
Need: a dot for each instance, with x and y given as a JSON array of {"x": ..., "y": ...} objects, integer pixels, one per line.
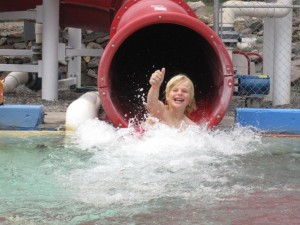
[{"x": 102, "y": 175}]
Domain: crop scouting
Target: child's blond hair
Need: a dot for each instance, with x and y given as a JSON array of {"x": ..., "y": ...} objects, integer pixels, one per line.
[{"x": 176, "y": 80}]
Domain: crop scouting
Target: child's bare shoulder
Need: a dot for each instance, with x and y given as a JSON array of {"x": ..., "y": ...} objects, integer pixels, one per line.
[{"x": 189, "y": 121}]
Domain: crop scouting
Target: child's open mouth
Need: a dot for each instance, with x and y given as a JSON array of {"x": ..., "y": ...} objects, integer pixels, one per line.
[{"x": 179, "y": 100}]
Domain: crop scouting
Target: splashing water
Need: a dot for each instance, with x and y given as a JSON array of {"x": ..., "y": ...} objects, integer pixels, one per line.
[{"x": 129, "y": 167}]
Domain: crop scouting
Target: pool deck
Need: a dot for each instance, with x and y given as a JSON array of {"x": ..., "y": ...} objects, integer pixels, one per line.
[
  {"x": 273, "y": 122},
  {"x": 56, "y": 121},
  {"x": 267, "y": 121}
]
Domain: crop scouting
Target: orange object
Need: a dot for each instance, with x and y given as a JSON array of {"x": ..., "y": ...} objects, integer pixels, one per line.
[{"x": 1, "y": 91}]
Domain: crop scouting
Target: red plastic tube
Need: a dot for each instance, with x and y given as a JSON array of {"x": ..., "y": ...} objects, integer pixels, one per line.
[
  {"x": 150, "y": 34},
  {"x": 96, "y": 15}
]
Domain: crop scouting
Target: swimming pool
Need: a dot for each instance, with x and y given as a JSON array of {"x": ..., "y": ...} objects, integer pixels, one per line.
[{"x": 102, "y": 175}]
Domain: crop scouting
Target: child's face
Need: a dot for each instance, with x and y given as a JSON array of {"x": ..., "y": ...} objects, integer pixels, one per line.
[{"x": 179, "y": 96}]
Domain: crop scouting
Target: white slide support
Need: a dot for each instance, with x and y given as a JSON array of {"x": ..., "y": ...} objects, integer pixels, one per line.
[{"x": 84, "y": 108}]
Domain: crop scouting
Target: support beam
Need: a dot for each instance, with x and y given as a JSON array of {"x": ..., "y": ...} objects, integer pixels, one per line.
[
  {"x": 50, "y": 50},
  {"x": 18, "y": 15},
  {"x": 268, "y": 51},
  {"x": 74, "y": 64},
  {"x": 282, "y": 60}
]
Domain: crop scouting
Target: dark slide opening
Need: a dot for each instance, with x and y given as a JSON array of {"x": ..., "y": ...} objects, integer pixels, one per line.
[{"x": 178, "y": 49}]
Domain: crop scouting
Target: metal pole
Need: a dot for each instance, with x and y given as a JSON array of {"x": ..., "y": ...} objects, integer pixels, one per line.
[
  {"x": 282, "y": 60},
  {"x": 216, "y": 16},
  {"x": 268, "y": 52},
  {"x": 50, "y": 50}
]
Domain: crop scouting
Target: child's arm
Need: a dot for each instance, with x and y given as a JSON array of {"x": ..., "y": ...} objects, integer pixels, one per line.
[{"x": 154, "y": 106}]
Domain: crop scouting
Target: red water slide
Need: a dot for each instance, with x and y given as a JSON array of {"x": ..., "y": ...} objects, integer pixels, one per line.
[{"x": 146, "y": 35}]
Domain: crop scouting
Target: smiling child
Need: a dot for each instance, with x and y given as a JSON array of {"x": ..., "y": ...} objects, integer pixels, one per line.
[{"x": 179, "y": 99}]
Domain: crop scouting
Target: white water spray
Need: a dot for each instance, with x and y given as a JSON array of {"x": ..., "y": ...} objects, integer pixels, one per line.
[{"x": 127, "y": 167}]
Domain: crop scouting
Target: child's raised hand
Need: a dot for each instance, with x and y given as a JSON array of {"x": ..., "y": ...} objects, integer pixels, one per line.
[{"x": 157, "y": 78}]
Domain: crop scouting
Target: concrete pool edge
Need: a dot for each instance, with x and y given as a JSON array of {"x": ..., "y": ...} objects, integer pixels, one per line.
[
  {"x": 266, "y": 121},
  {"x": 56, "y": 120}
]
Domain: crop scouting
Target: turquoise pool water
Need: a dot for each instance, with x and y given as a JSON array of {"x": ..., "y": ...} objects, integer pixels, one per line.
[{"x": 102, "y": 175}]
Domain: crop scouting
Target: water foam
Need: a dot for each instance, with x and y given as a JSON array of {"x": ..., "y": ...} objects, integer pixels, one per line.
[{"x": 128, "y": 167}]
